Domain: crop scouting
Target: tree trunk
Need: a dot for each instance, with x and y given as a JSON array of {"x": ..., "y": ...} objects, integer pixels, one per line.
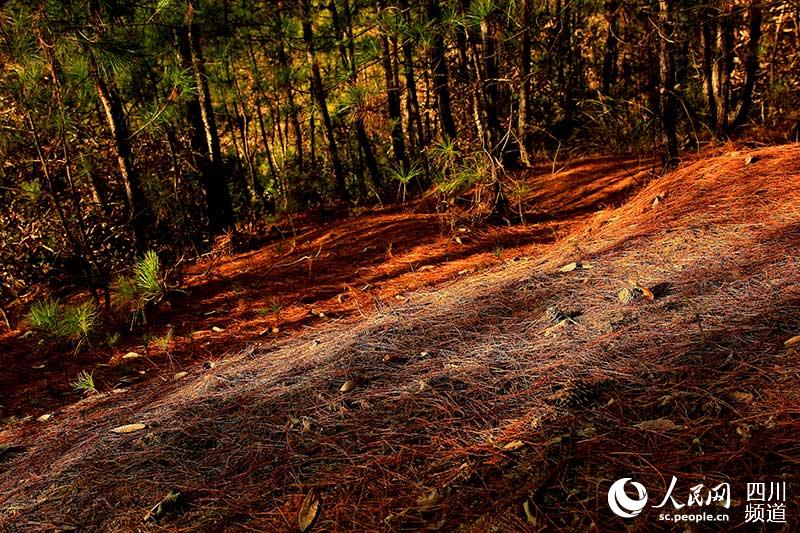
[
  {"x": 667, "y": 100},
  {"x": 285, "y": 63},
  {"x": 750, "y": 66},
  {"x": 138, "y": 214},
  {"x": 412, "y": 101},
  {"x": 611, "y": 52},
  {"x": 524, "y": 104},
  {"x": 723, "y": 66},
  {"x": 243, "y": 121},
  {"x": 707, "y": 35},
  {"x": 394, "y": 105},
  {"x": 218, "y": 204},
  {"x": 318, "y": 92},
  {"x": 259, "y": 90},
  {"x": 438, "y": 62},
  {"x": 347, "y": 52}
]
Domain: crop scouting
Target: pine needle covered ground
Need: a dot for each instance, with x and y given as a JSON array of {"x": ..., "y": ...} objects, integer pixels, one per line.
[{"x": 643, "y": 341}]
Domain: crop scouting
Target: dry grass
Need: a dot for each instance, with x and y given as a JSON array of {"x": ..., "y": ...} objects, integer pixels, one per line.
[{"x": 444, "y": 381}]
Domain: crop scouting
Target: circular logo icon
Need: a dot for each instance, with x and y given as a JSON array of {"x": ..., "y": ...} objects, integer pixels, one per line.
[{"x": 622, "y": 504}]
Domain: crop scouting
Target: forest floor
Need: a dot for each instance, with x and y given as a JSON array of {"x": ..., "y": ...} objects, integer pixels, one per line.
[{"x": 408, "y": 373}]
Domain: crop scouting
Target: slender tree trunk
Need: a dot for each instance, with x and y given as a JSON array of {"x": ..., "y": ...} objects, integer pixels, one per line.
[
  {"x": 243, "y": 121},
  {"x": 220, "y": 216},
  {"x": 394, "y": 104},
  {"x": 138, "y": 214},
  {"x": 259, "y": 112},
  {"x": 667, "y": 100},
  {"x": 412, "y": 101},
  {"x": 523, "y": 128},
  {"x": 723, "y": 66},
  {"x": 284, "y": 61},
  {"x": 611, "y": 52},
  {"x": 347, "y": 52},
  {"x": 491, "y": 100},
  {"x": 750, "y": 66},
  {"x": 707, "y": 34},
  {"x": 312, "y": 133},
  {"x": 438, "y": 60},
  {"x": 318, "y": 92}
]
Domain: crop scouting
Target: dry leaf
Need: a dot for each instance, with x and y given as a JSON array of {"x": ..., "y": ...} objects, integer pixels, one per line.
[
  {"x": 309, "y": 511},
  {"x": 45, "y": 418},
  {"x": 465, "y": 271},
  {"x": 423, "y": 268},
  {"x": 131, "y": 355},
  {"x": 458, "y": 240},
  {"x": 217, "y": 329},
  {"x": 38, "y": 367},
  {"x": 514, "y": 445},
  {"x": 742, "y": 397},
  {"x": 648, "y": 293},
  {"x": 180, "y": 375},
  {"x": 129, "y": 428},
  {"x": 528, "y": 514},
  {"x": 569, "y": 267},
  {"x": 659, "y": 424},
  {"x": 347, "y": 386},
  {"x": 793, "y": 341}
]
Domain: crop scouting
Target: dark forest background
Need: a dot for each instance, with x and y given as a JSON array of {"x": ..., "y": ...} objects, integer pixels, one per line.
[{"x": 128, "y": 126}]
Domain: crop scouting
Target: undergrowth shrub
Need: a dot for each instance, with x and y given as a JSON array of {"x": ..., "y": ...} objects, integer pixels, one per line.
[
  {"x": 43, "y": 317},
  {"x": 149, "y": 279},
  {"x": 84, "y": 383},
  {"x": 79, "y": 322},
  {"x": 66, "y": 324},
  {"x": 147, "y": 286}
]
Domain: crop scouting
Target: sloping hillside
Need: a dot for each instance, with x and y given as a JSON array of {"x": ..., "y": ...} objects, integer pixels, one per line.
[{"x": 511, "y": 399}]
